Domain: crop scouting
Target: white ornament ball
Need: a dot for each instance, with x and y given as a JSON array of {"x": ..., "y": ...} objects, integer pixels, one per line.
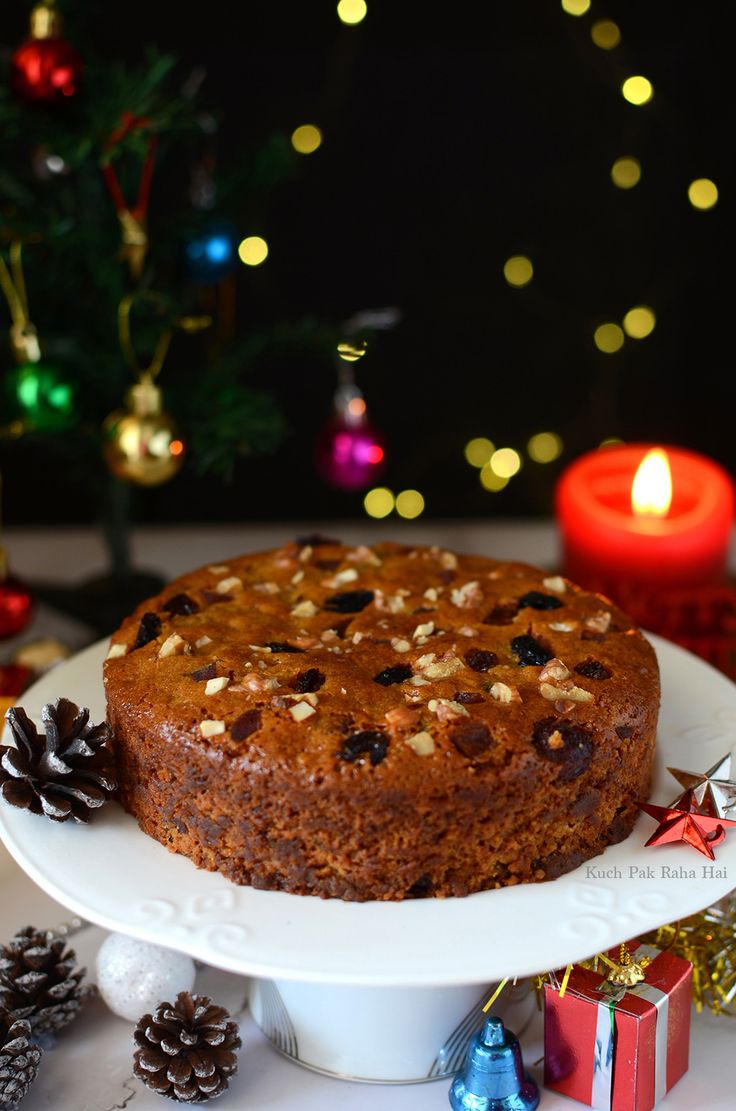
[{"x": 134, "y": 976}]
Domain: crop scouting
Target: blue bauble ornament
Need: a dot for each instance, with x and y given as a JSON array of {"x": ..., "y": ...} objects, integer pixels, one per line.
[
  {"x": 494, "y": 1078},
  {"x": 212, "y": 254}
]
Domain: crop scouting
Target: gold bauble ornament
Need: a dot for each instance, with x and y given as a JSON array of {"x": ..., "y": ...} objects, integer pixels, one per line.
[{"x": 141, "y": 442}]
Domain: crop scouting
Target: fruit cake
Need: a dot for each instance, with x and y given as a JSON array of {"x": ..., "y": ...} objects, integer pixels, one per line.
[{"x": 381, "y": 723}]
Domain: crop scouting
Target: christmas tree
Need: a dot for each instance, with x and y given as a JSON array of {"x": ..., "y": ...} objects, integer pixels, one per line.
[{"x": 123, "y": 227}]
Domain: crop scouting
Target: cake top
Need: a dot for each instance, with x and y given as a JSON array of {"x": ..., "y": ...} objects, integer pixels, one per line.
[{"x": 384, "y": 661}]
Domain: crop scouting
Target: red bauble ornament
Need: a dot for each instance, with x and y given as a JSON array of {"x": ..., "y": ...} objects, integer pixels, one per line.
[
  {"x": 45, "y": 68},
  {"x": 16, "y": 607},
  {"x": 350, "y": 453}
]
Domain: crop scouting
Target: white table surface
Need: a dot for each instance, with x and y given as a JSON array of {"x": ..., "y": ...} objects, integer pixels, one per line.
[{"x": 91, "y": 1068}]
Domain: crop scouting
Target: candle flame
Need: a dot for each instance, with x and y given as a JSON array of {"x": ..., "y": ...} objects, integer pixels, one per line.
[{"x": 651, "y": 490}]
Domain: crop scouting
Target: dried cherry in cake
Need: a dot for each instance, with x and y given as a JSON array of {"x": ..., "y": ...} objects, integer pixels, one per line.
[
  {"x": 368, "y": 743},
  {"x": 530, "y": 652},
  {"x": 209, "y": 671},
  {"x": 307, "y": 682},
  {"x": 536, "y": 600},
  {"x": 564, "y": 743},
  {"x": 399, "y": 673},
  {"x": 472, "y": 738},
  {"x": 212, "y": 597},
  {"x": 247, "y": 723},
  {"x": 148, "y": 630},
  {"x": 593, "y": 669},
  {"x": 181, "y": 605},
  {"x": 479, "y": 659},
  {"x": 349, "y": 601},
  {"x": 503, "y": 613}
]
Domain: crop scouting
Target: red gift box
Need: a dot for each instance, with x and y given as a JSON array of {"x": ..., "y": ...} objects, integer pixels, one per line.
[{"x": 619, "y": 1054}]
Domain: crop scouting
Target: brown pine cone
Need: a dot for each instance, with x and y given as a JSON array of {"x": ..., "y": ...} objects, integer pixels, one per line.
[
  {"x": 18, "y": 1059},
  {"x": 185, "y": 1051},
  {"x": 64, "y": 774},
  {"x": 38, "y": 981}
]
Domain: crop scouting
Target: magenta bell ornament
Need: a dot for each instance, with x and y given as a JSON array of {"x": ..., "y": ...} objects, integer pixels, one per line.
[
  {"x": 494, "y": 1078},
  {"x": 349, "y": 453}
]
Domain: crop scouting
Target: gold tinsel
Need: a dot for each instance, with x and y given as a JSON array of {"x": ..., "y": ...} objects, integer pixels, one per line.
[{"x": 708, "y": 940}]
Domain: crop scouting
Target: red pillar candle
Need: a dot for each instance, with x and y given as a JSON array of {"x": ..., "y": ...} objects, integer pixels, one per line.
[{"x": 608, "y": 546}]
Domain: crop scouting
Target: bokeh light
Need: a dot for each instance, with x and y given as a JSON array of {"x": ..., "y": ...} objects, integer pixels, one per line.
[
  {"x": 544, "y": 447},
  {"x": 352, "y": 11},
  {"x": 605, "y": 34},
  {"x": 253, "y": 250},
  {"x": 637, "y": 90},
  {"x": 491, "y": 481},
  {"x": 306, "y": 139},
  {"x": 379, "y": 502},
  {"x": 505, "y": 462},
  {"x": 639, "y": 322},
  {"x": 626, "y": 172},
  {"x": 409, "y": 504},
  {"x": 351, "y": 352},
  {"x": 518, "y": 271},
  {"x": 702, "y": 193},
  {"x": 608, "y": 338},
  {"x": 478, "y": 452},
  {"x": 575, "y": 7}
]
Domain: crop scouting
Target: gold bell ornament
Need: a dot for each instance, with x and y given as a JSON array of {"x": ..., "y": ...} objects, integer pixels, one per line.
[{"x": 141, "y": 443}]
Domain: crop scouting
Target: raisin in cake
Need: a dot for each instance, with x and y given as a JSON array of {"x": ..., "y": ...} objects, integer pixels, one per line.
[{"x": 381, "y": 723}]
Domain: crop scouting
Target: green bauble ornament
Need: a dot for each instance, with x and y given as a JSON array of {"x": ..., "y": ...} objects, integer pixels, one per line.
[{"x": 41, "y": 397}]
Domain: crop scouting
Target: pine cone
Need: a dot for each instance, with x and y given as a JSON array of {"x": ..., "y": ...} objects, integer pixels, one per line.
[
  {"x": 185, "y": 1051},
  {"x": 38, "y": 981},
  {"x": 65, "y": 773},
  {"x": 18, "y": 1059}
]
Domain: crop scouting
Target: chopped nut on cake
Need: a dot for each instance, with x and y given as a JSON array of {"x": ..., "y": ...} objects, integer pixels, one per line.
[
  {"x": 424, "y": 630},
  {"x": 503, "y": 692},
  {"x": 214, "y": 686},
  {"x": 554, "y": 669},
  {"x": 422, "y": 743},
  {"x": 210, "y": 728},
  {"x": 174, "y": 645},
  {"x": 464, "y": 597},
  {"x": 570, "y": 693},
  {"x": 231, "y": 585},
  {"x": 306, "y": 608}
]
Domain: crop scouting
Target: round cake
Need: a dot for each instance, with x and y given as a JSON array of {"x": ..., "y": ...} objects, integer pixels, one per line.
[{"x": 381, "y": 723}]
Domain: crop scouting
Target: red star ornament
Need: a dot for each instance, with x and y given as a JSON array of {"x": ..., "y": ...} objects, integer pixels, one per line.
[{"x": 683, "y": 821}]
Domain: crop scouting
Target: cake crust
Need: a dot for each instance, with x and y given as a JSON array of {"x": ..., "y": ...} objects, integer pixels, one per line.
[{"x": 381, "y": 723}]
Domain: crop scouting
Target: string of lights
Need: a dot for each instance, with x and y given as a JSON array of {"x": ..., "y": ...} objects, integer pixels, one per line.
[{"x": 497, "y": 466}]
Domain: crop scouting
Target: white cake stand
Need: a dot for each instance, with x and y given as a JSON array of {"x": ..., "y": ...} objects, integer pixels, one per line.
[{"x": 114, "y": 875}]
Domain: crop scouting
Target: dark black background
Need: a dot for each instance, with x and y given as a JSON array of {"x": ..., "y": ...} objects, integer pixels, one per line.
[{"x": 455, "y": 136}]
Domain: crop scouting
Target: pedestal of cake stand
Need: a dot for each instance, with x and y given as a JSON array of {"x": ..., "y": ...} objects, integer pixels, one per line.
[{"x": 380, "y": 1035}]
